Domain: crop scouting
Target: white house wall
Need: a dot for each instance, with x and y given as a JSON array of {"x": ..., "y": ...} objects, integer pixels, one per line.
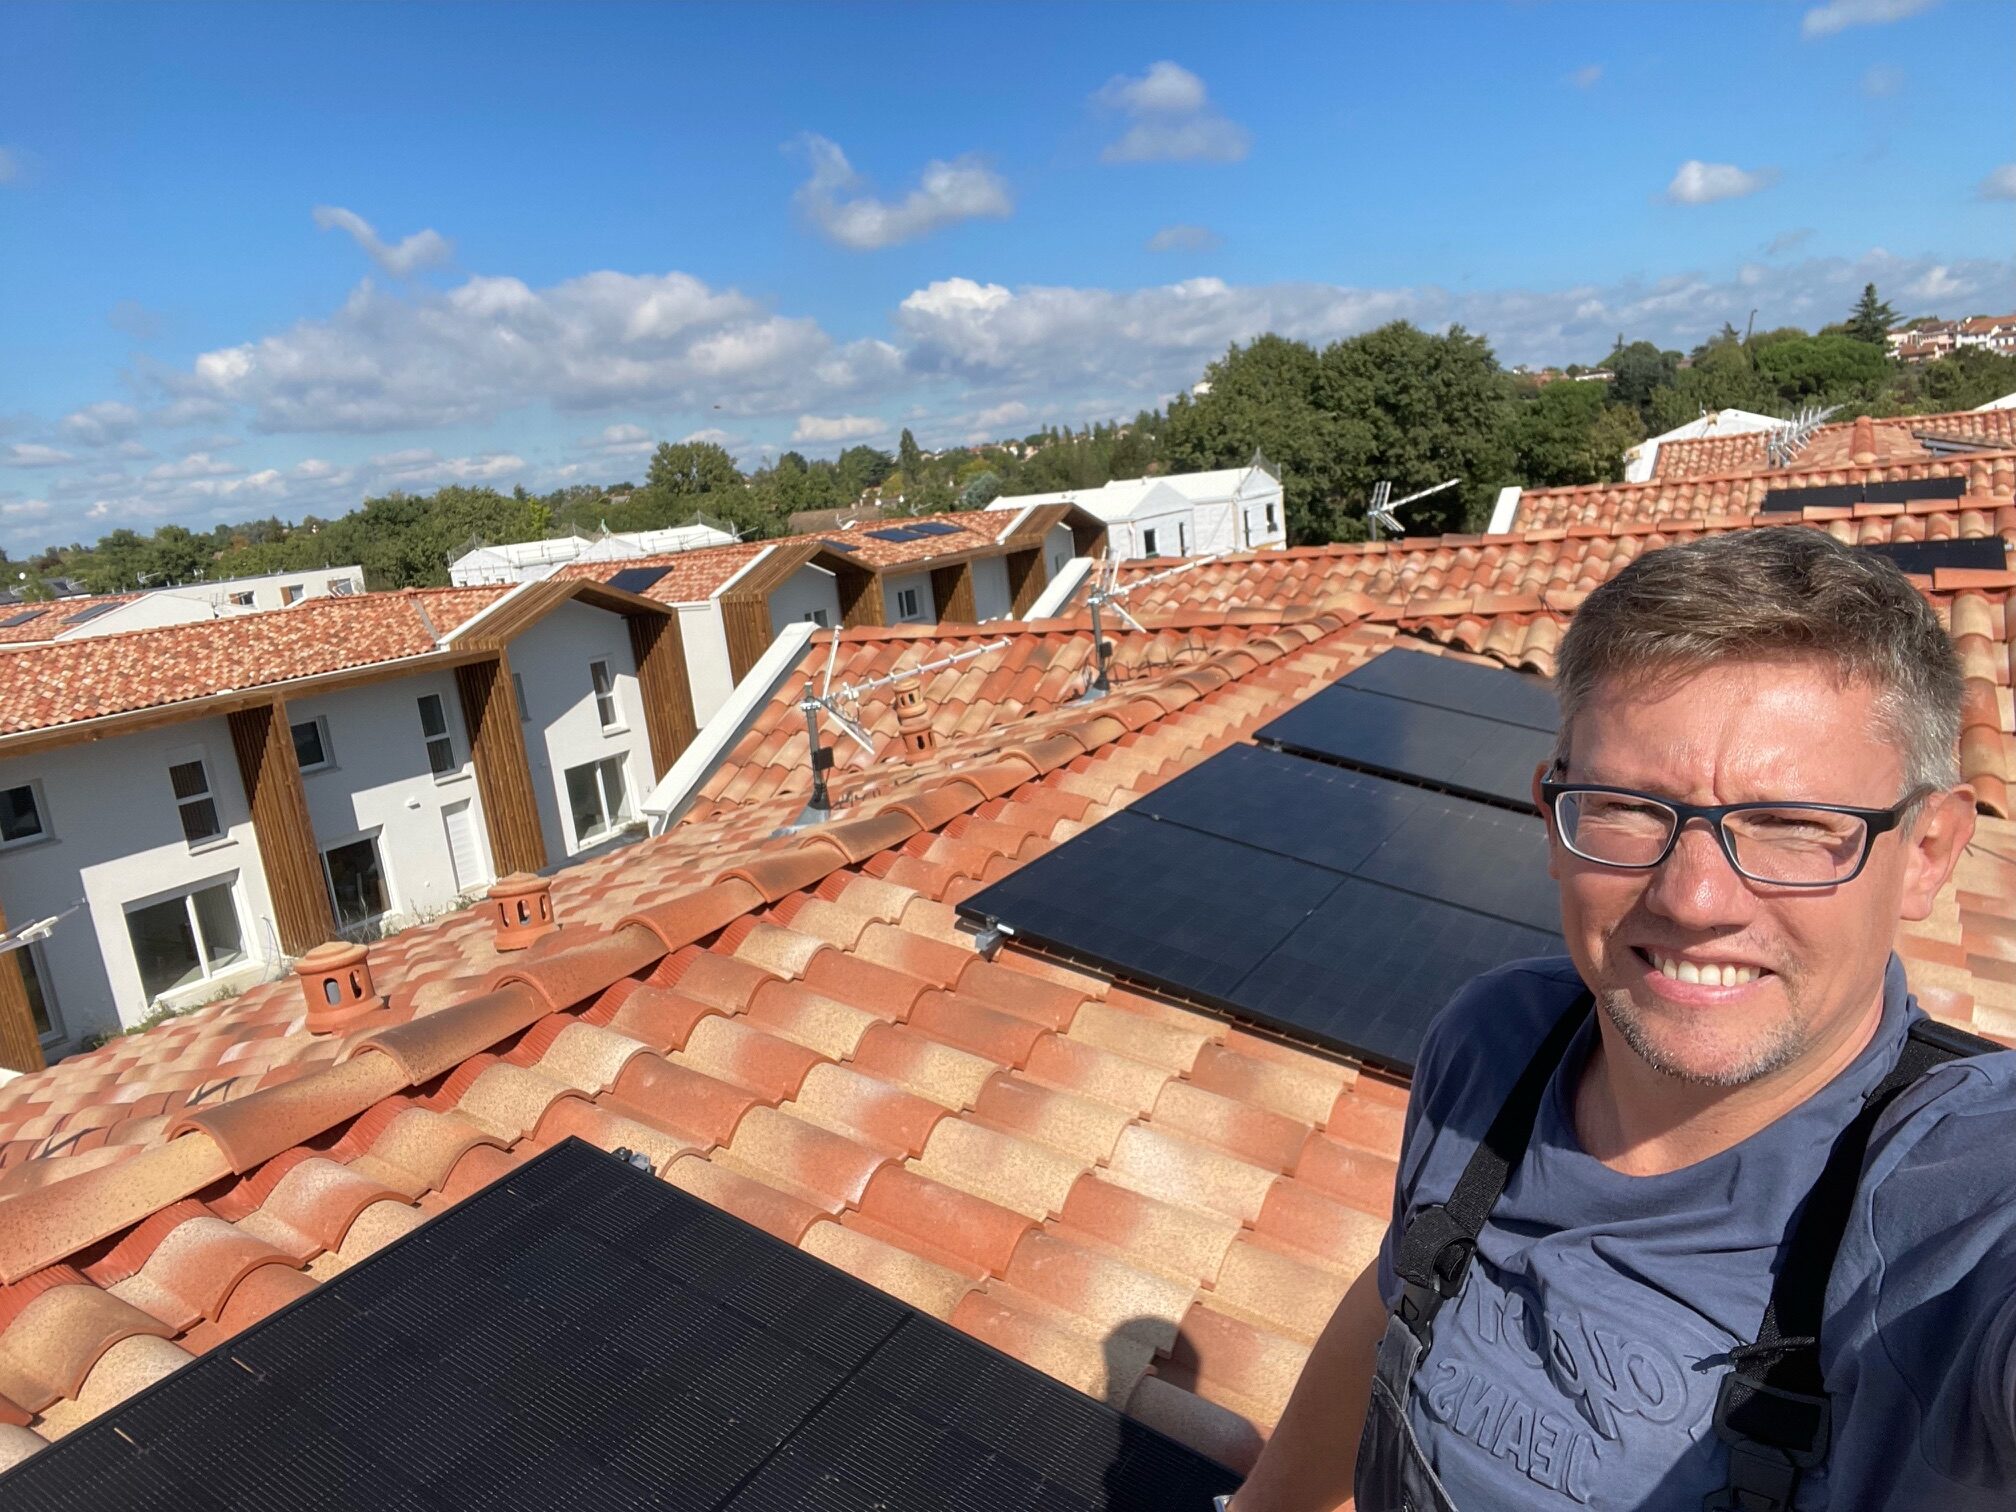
[
  {"x": 563, "y": 730},
  {"x": 379, "y": 782},
  {"x": 893, "y": 585},
  {"x": 991, "y": 598},
  {"x": 117, "y": 840},
  {"x": 1059, "y": 548},
  {"x": 810, "y": 594},
  {"x": 708, "y": 671}
]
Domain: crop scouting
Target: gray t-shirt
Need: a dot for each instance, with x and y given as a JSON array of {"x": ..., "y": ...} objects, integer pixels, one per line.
[{"x": 1580, "y": 1364}]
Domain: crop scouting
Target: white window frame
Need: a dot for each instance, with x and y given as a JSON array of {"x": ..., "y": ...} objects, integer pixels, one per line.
[
  {"x": 818, "y": 617},
  {"x": 611, "y": 823},
  {"x": 376, "y": 838},
  {"x": 428, "y": 742},
  {"x": 907, "y": 604},
  {"x": 321, "y": 724},
  {"x": 602, "y": 680},
  {"x": 197, "y": 756},
  {"x": 45, "y": 832},
  {"x": 244, "y": 600},
  {"x": 292, "y": 593},
  {"x": 187, "y": 896},
  {"x": 1148, "y": 541}
]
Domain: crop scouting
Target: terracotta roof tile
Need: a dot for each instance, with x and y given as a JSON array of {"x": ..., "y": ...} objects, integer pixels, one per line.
[{"x": 1834, "y": 445}]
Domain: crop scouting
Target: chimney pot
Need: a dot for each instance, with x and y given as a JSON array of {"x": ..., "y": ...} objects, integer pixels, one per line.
[
  {"x": 522, "y": 909},
  {"x": 913, "y": 720},
  {"x": 337, "y": 987},
  {"x": 1862, "y": 446}
]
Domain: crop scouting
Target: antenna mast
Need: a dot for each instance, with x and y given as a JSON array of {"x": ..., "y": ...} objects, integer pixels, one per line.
[
  {"x": 1382, "y": 509},
  {"x": 1107, "y": 594},
  {"x": 1788, "y": 440}
]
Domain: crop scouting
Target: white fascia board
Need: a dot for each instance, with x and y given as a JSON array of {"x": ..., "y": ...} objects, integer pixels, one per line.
[
  {"x": 1059, "y": 588},
  {"x": 1505, "y": 510},
  {"x": 482, "y": 614},
  {"x": 737, "y": 575},
  {"x": 1009, "y": 529},
  {"x": 675, "y": 790}
]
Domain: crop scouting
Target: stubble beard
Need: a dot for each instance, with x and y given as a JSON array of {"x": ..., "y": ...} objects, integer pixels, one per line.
[{"x": 1778, "y": 1047}]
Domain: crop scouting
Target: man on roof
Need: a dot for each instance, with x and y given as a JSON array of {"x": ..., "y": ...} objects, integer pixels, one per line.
[{"x": 1707, "y": 1214}]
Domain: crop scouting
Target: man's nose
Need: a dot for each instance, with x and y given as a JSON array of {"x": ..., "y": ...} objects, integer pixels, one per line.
[{"x": 1696, "y": 886}]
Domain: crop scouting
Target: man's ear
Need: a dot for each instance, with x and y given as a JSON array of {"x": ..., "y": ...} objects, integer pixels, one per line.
[{"x": 1932, "y": 848}]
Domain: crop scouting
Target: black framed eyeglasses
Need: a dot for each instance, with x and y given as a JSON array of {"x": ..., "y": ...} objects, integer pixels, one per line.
[{"x": 1776, "y": 844}]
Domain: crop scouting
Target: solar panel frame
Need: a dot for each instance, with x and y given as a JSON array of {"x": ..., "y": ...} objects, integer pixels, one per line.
[
  {"x": 893, "y": 533},
  {"x": 1913, "y": 490},
  {"x": 85, "y": 616},
  {"x": 847, "y": 546},
  {"x": 936, "y": 528},
  {"x": 581, "y": 1334},
  {"x": 637, "y": 579},
  {"x": 21, "y": 617},
  {"x": 1442, "y": 682}
]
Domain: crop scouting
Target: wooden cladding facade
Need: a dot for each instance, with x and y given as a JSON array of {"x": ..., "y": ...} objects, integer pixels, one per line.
[
  {"x": 20, "y": 1042},
  {"x": 860, "y": 599},
  {"x": 503, "y": 773},
  {"x": 1028, "y": 576},
  {"x": 661, "y": 679},
  {"x": 264, "y": 744},
  {"x": 952, "y": 593}
]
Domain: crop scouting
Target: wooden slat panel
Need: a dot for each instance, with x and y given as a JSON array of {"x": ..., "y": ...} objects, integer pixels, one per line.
[
  {"x": 1028, "y": 576},
  {"x": 287, "y": 852},
  {"x": 745, "y": 621},
  {"x": 860, "y": 599},
  {"x": 661, "y": 678},
  {"x": 20, "y": 1045},
  {"x": 503, "y": 774},
  {"x": 952, "y": 594}
]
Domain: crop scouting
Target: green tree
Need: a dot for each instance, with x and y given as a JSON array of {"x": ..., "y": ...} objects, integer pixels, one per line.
[
  {"x": 1569, "y": 433},
  {"x": 691, "y": 467},
  {"x": 1871, "y": 319},
  {"x": 981, "y": 490},
  {"x": 861, "y": 468},
  {"x": 1639, "y": 371},
  {"x": 909, "y": 456},
  {"x": 1823, "y": 369},
  {"x": 1964, "y": 379}
]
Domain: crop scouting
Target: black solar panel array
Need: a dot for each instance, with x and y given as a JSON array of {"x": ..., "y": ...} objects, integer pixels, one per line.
[
  {"x": 935, "y": 528},
  {"x": 894, "y": 533},
  {"x": 847, "y": 546},
  {"x": 1331, "y": 903},
  {"x": 1847, "y": 495},
  {"x": 21, "y": 617},
  {"x": 581, "y": 1336},
  {"x": 637, "y": 579},
  {"x": 1988, "y": 553},
  {"x": 86, "y": 615}
]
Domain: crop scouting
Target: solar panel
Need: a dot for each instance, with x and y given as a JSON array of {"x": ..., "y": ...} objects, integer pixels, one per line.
[
  {"x": 1335, "y": 904},
  {"x": 1906, "y": 490},
  {"x": 637, "y": 579},
  {"x": 1445, "y": 683},
  {"x": 21, "y": 618},
  {"x": 1987, "y": 553},
  {"x": 1846, "y": 495},
  {"x": 847, "y": 546},
  {"x": 580, "y": 1335},
  {"x": 895, "y": 533},
  {"x": 1830, "y": 496},
  {"x": 936, "y": 528},
  {"x": 1463, "y": 753},
  {"x": 84, "y": 615}
]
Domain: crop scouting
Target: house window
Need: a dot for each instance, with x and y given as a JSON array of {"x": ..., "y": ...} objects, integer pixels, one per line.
[
  {"x": 1148, "y": 543},
  {"x": 818, "y": 617},
  {"x": 291, "y": 593},
  {"x": 1270, "y": 516},
  {"x": 184, "y": 939},
  {"x": 434, "y": 728},
  {"x": 1182, "y": 539},
  {"x": 518, "y": 687},
  {"x": 34, "y": 978},
  {"x": 21, "y": 815},
  {"x": 193, "y": 801},
  {"x": 356, "y": 881},
  {"x": 598, "y": 798},
  {"x": 906, "y": 604},
  {"x": 243, "y": 600},
  {"x": 340, "y": 587},
  {"x": 605, "y": 695},
  {"x": 311, "y": 744}
]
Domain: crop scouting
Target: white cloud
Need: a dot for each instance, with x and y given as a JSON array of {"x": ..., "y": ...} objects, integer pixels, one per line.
[
  {"x": 2000, "y": 183},
  {"x": 1170, "y": 120},
  {"x": 1699, "y": 183},
  {"x": 1586, "y": 77},
  {"x": 423, "y": 249},
  {"x": 1936, "y": 283},
  {"x": 102, "y": 423},
  {"x": 820, "y": 429},
  {"x": 33, "y": 454},
  {"x": 1183, "y": 239},
  {"x": 24, "y": 509},
  {"x": 1883, "y": 81},
  {"x": 10, "y": 165},
  {"x": 1839, "y": 15},
  {"x": 195, "y": 465},
  {"x": 619, "y": 441},
  {"x": 420, "y": 357},
  {"x": 712, "y": 434},
  {"x": 422, "y": 467},
  {"x": 946, "y": 193}
]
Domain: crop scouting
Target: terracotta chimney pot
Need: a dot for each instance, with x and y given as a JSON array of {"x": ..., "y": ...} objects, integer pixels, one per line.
[
  {"x": 1862, "y": 444},
  {"x": 913, "y": 720},
  {"x": 523, "y": 910},
  {"x": 337, "y": 987}
]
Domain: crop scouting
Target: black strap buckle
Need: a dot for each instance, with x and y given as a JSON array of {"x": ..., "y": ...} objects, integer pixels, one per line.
[
  {"x": 1773, "y": 1435},
  {"x": 1434, "y": 1259}
]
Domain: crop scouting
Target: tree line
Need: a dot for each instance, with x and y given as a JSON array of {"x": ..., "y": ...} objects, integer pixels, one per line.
[{"x": 1397, "y": 404}]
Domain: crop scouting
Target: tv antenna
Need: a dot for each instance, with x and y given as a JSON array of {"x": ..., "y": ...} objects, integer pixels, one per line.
[
  {"x": 1108, "y": 595},
  {"x": 829, "y": 701},
  {"x": 1789, "y": 439},
  {"x": 1382, "y": 509}
]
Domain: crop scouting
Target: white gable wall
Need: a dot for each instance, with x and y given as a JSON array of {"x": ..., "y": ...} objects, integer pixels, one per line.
[
  {"x": 991, "y": 598},
  {"x": 563, "y": 729},
  {"x": 707, "y": 667},
  {"x": 811, "y": 593}
]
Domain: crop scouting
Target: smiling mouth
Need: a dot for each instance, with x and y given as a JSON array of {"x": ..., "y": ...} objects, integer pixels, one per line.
[{"x": 1701, "y": 973}]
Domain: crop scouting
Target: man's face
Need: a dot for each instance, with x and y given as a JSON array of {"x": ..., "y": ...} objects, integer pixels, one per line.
[{"x": 1788, "y": 730}]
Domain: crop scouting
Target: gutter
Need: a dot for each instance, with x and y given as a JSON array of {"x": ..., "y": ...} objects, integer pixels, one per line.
[
  {"x": 675, "y": 790},
  {"x": 1505, "y": 510}
]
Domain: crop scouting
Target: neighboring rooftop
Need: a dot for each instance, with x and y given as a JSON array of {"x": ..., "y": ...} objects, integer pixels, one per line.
[{"x": 1903, "y": 438}]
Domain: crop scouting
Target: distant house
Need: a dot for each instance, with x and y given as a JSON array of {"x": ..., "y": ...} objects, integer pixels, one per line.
[
  {"x": 1995, "y": 332},
  {"x": 1181, "y": 514},
  {"x": 1642, "y": 460},
  {"x": 194, "y": 803},
  {"x": 529, "y": 561},
  {"x": 71, "y": 616}
]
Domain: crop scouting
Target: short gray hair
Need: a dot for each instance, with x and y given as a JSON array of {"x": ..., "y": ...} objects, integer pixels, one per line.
[{"x": 1785, "y": 590}]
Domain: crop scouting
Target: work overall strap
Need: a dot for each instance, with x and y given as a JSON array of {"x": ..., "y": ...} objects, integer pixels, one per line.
[
  {"x": 1435, "y": 1248},
  {"x": 1772, "y": 1408}
]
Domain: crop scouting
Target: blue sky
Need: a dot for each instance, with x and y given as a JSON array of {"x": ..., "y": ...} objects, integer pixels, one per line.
[{"x": 272, "y": 259}]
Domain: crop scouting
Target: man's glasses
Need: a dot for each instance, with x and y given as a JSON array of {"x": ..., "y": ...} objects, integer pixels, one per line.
[{"x": 1777, "y": 844}]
